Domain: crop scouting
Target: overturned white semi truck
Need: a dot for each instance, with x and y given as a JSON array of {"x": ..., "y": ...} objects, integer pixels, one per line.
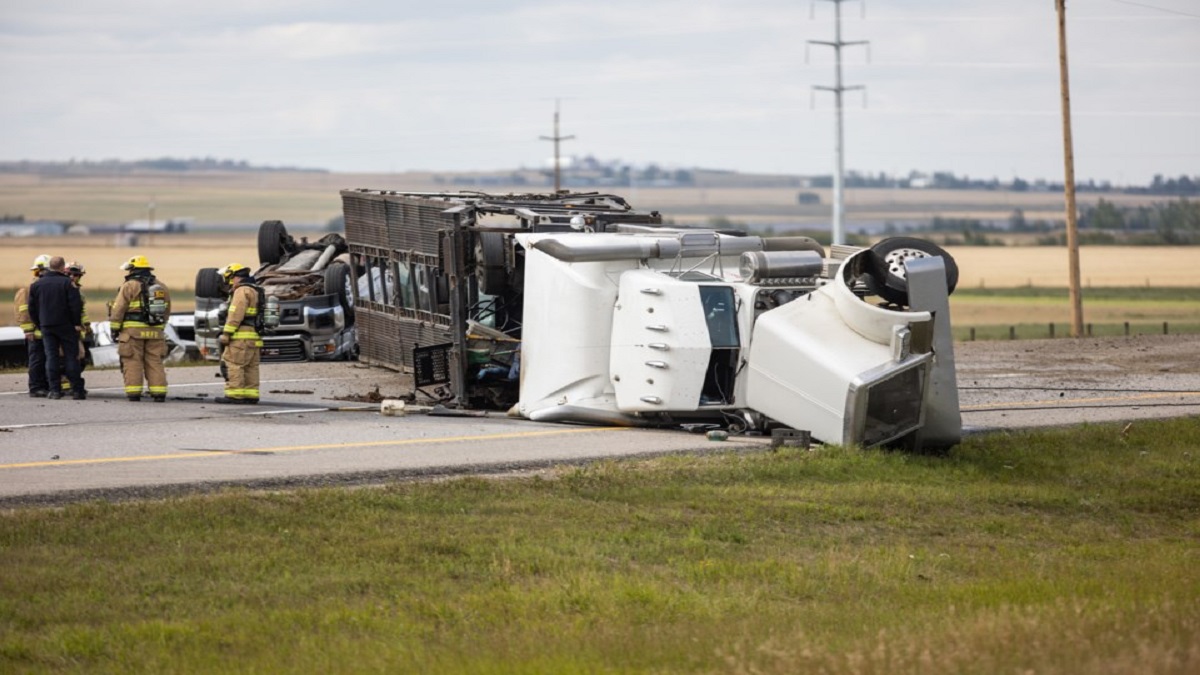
[{"x": 576, "y": 308}]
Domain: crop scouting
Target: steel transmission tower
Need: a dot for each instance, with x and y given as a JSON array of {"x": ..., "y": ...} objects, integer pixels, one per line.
[
  {"x": 557, "y": 139},
  {"x": 839, "y": 234}
]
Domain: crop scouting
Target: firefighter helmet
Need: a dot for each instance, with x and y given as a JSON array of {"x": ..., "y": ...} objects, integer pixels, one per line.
[
  {"x": 41, "y": 262},
  {"x": 76, "y": 269},
  {"x": 232, "y": 270},
  {"x": 138, "y": 262}
]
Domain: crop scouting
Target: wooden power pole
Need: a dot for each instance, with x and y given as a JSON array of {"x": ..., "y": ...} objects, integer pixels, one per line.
[{"x": 1069, "y": 181}]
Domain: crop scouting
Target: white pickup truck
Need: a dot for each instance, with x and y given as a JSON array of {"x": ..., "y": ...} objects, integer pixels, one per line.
[{"x": 313, "y": 283}]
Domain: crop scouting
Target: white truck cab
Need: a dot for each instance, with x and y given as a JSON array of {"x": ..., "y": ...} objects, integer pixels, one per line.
[{"x": 642, "y": 327}]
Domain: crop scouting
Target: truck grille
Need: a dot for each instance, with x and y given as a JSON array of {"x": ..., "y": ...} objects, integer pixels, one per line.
[{"x": 285, "y": 350}]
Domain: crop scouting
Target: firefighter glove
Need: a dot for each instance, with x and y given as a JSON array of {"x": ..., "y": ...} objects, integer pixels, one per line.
[{"x": 224, "y": 339}]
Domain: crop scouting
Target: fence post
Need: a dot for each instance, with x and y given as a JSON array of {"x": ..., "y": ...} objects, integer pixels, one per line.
[
  {"x": 1089, "y": 330},
  {"x": 1126, "y": 329},
  {"x": 1164, "y": 328},
  {"x": 972, "y": 333},
  {"x": 1051, "y": 329},
  {"x": 1012, "y": 332}
]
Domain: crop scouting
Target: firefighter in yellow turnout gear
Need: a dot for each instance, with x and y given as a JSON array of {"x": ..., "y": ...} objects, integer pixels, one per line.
[
  {"x": 240, "y": 340},
  {"x": 76, "y": 271},
  {"x": 138, "y": 316}
]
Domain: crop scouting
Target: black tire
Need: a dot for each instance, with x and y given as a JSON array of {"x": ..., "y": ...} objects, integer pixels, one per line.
[
  {"x": 272, "y": 242},
  {"x": 339, "y": 282},
  {"x": 489, "y": 263},
  {"x": 887, "y": 266},
  {"x": 208, "y": 283}
]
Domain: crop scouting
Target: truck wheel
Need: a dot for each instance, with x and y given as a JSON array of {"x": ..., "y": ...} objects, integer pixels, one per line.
[
  {"x": 272, "y": 242},
  {"x": 338, "y": 281},
  {"x": 489, "y": 263},
  {"x": 208, "y": 283},
  {"x": 887, "y": 262}
]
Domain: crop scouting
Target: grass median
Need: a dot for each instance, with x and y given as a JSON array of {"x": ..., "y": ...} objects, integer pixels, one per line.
[{"x": 1051, "y": 552}]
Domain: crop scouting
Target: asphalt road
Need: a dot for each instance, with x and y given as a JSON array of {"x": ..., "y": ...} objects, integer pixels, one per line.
[{"x": 320, "y": 424}]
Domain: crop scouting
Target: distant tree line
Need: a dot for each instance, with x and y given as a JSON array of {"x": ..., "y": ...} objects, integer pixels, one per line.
[
  {"x": 589, "y": 171},
  {"x": 1183, "y": 186},
  {"x": 1174, "y": 223},
  {"x": 111, "y": 166}
]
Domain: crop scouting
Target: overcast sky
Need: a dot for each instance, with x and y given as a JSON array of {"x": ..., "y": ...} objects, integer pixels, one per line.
[{"x": 968, "y": 86}]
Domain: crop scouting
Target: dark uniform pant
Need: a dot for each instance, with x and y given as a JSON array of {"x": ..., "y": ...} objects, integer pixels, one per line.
[
  {"x": 61, "y": 346},
  {"x": 36, "y": 351}
]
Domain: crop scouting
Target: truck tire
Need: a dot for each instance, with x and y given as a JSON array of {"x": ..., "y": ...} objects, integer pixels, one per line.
[
  {"x": 489, "y": 263},
  {"x": 887, "y": 266},
  {"x": 339, "y": 282},
  {"x": 272, "y": 242},
  {"x": 208, "y": 283}
]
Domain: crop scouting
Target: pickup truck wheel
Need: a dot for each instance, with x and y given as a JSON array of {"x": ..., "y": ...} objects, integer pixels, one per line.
[
  {"x": 489, "y": 263},
  {"x": 272, "y": 242},
  {"x": 887, "y": 263},
  {"x": 208, "y": 283},
  {"x": 338, "y": 281}
]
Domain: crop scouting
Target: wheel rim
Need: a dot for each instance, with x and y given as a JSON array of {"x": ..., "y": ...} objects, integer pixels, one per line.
[{"x": 895, "y": 260}]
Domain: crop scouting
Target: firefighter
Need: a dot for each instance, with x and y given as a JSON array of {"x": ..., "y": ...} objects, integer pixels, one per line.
[
  {"x": 38, "y": 386},
  {"x": 87, "y": 338},
  {"x": 240, "y": 341},
  {"x": 137, "y": 317}
]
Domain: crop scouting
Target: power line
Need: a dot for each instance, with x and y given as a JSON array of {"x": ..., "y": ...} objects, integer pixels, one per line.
[{"x": 1155, "y": 7}]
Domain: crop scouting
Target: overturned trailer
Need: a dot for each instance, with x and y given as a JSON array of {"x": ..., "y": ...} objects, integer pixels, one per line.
[{"x": 577, "y": 308}]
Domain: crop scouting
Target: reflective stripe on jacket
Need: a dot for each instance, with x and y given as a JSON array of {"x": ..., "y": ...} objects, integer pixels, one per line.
[
  {"x": 128, "y": 315},
  {"x": 243, "y": 310},
  {"x": 21, "y": 300}
]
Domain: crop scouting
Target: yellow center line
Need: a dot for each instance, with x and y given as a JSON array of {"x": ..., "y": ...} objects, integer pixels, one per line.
[
  {"x": 322, "y": 446},
  {"x": 1064, "y": 401}
]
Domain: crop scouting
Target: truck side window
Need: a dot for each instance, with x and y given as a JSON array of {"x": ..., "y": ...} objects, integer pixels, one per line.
[{"x": 721, "y": 316}]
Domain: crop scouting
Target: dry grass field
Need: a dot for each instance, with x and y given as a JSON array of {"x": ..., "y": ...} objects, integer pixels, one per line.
[
  {"x": 227, "y": 207},
  {"x": 217, "y": 199},
  {"x": 177, "y": 257},
  {"x": 1047, "y": 266}
]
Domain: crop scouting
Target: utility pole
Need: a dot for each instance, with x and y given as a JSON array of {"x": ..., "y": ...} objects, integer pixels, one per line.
[
  {"x": 839, "y": 235},
  {"x": 557, "y": 139},
  {"x": 1069, "y": 180}
]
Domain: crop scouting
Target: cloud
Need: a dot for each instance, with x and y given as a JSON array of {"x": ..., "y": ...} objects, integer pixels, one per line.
[{"x": 461, "y": 84}]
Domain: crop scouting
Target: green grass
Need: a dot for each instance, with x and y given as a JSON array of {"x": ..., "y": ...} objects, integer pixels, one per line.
[
  {"x": 1051, "y": 552},
  {"x": 1029, "y": 312},
  {"x": 1136, "y": 294}
]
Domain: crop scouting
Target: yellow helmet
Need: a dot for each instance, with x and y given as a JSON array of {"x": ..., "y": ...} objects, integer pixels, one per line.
[
  {"x": 76, "y": 269},
  {"x": 231, "y": 270},
  {"x": 136, "y": 262},
  {"x": 41, "y": 262}
]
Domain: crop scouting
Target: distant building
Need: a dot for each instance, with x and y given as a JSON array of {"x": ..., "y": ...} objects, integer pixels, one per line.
[
  {"x": 168, "y": 226},
  {"x": 19, "y": 227}
]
